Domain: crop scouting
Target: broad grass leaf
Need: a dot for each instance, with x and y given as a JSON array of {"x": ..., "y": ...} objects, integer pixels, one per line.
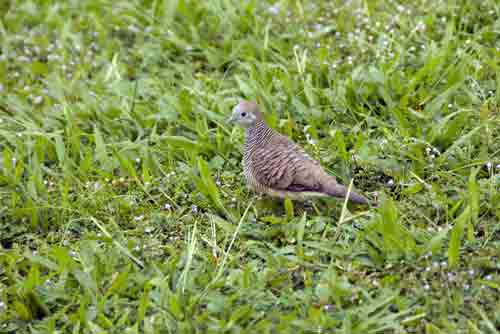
[
  {"x": 100, "y": 147},
  {"x": 60, "y": 150},
  {"x": 456, "y": 237},
  {"x": 459, "y": 142},
  {"x": 208, "y": 187},
  {"x": 289, "y": 209},
  {"x": 340, "y": 146},
  {"x": 184, "y": 144},
  {"x": 126, "y": 164},
  {"x": 22, "y": 311},
  {"x": 387, "y": 233},
  {"x": 119, "y": 282},
  {"x": 473, "y": 194}
]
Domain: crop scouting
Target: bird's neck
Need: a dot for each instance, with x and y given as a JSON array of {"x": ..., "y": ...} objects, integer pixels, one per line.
[{"x": 258, "y": 134}]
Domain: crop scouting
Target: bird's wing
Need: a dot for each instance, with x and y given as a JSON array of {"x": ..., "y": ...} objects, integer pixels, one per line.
[{"x": 284, "y": 165}]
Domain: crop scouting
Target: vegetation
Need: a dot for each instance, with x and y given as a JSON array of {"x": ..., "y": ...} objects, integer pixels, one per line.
[{"x": 123, "y": 208}]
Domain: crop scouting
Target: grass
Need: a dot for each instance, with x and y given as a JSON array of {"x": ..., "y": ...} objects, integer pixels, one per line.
[{"x": 122, "y": 204}]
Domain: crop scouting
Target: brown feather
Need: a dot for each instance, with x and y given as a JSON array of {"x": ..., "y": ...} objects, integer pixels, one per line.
[{"x": 275, "y": 165}]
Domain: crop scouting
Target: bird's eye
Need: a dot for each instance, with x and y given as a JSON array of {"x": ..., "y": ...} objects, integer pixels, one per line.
[{"x": 243, "y": 114}]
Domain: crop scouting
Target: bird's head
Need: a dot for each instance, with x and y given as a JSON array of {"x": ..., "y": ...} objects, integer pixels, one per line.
[{"x": 246, "y": 114}]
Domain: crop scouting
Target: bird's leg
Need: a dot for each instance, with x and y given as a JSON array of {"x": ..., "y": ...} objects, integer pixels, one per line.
[{"x": 313, "y": 205}]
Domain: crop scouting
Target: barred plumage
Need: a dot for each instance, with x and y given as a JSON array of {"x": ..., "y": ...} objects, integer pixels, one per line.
[{"x": 275, "y": 165}]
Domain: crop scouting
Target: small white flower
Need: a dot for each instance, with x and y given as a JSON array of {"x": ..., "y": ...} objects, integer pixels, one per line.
[
  {"x": 274, "y": 9},
  {"x": 38, "y": 99},
  {"x": 167, "y": 206},
  {"x": 498, "y": 167},
  {"x": 139, "y": 218},
  {"x": 138, "y": 160},
  {"x": 427, "y": 286},
  {"x": 148, "y": 229},
  {"x": 472, "y": 272},
  {"x": 489, "y": 165},
  {"x": 488, "y": 277},
  {"x": 27, "y": 88},
  {"x": 1, "y": 88},
  {"x": 390, "y": 182},
  {"x": 420, "y": 26},
  {"x": 194, "y": 208}
]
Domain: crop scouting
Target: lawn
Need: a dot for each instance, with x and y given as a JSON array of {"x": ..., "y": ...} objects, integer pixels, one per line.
[{"x": 123, "y": 208}]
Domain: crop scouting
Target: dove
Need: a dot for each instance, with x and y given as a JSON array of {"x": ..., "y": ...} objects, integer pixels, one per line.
[{"x": 275, "y": 165}]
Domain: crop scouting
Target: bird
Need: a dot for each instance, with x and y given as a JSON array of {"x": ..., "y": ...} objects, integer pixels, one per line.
[{"x": 275, "y": 165}]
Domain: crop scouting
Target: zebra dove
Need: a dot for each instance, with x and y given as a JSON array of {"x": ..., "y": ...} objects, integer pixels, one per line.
[{"x": 278, "y": 167}]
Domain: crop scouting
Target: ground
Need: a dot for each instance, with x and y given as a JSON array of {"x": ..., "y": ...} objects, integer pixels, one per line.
[{"x": 123, "y": 208}]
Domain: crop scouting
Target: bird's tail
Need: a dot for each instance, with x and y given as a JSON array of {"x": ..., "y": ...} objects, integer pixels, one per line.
[{"x": 335, "y": 189}]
